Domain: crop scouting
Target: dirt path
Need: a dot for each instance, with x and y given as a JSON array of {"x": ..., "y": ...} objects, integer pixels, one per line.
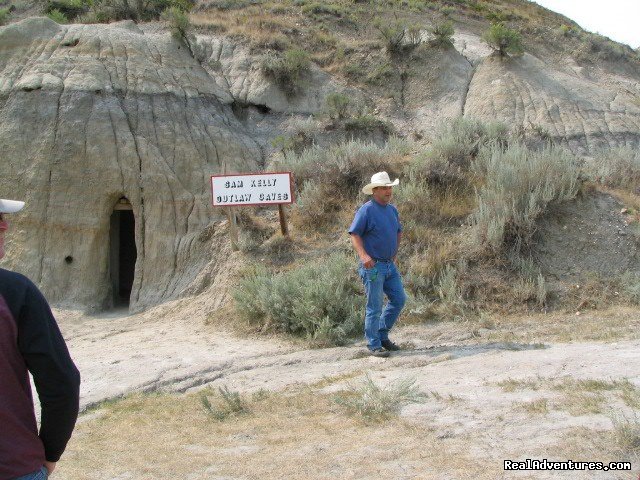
[
  {"x": 496, "y": 400},
  {"x": 119, "y": 353}
]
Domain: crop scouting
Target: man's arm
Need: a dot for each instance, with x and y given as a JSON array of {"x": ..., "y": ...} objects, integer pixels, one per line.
[
  {"x": 358, "y": 246},
  {"x": 397, "y": 247},
  {"x": 55, "y": 376}
]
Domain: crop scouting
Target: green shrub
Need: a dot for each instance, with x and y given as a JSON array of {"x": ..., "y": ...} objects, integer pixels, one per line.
[
  {"x": 380, "y": 74},
  {"x": 601, "y": 47},
  {"x": 398, "y": 36},
  {"x": 297, "y": 142},
  {"x": 630, "y": 283},
  {"x": 519, "y": 184},
  {"x": 375, "y": 403},
  {"x": 323, "y": 8},
  {"x": 446, "y": 10},
  {"x": 442, "y": 32},
  {"x": 345, "y": 167},
  {"x": 337, "y": 105},
  {"x": 499, "y": 16},
  {"x": 478, "y": 7},
  {"x": 504, "y": 40},
  {"x": 393, "y": 35},
  {"x": 413, "y": 198},
  {"x": 69, "y": 8},
  {"x": 568, "y": 30},
  {"x": 616, "y": 168},
  {"x": 4, "y": 15},
  {"x": 319, "y": 301},
  {"x": 58, "y": 17},
  {"x": 455, "y": 147},
  {"x": 288, "y": 70}
]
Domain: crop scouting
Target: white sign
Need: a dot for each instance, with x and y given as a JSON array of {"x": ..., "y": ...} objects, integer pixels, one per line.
[{"x": 251, "y": 189}]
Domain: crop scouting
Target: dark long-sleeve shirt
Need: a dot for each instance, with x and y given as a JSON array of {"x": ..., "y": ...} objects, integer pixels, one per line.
[{"x": 30, "y": 340}]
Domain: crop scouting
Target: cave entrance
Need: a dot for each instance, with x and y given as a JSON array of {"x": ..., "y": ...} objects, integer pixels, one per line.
[{"x": 123, "y": 252}]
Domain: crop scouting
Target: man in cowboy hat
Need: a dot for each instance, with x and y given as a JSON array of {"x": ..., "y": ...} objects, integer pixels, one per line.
[
  {"x": 375, "y": 234},
  {"x": 31, "y": 341}
]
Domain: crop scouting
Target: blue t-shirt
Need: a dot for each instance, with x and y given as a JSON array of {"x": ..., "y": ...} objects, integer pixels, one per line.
[{"x": 378, "y": 226}]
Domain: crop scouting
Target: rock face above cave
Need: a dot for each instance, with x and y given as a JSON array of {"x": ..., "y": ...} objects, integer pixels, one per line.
[{"x": 90, "y": 114}]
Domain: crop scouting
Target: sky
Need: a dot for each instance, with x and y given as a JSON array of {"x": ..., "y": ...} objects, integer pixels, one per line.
[{"x": 616, "y": 19}]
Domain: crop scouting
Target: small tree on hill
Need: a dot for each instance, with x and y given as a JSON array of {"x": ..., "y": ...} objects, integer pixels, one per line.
[
  {"x": 442, "y": 32},
  {"x": 178, "y": 21},
  {"x": 504, "y": 40},
  {"x": 338, "y": 105}
]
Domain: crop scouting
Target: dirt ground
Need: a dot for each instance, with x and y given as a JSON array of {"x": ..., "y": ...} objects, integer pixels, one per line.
[{"x": 541, "y": 386}]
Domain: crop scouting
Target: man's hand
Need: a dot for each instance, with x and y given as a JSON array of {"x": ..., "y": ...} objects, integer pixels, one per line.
[
  {"x": 50, "y": 466},
  {"x": 358, "y": 246},
  {"x": 367, "y": 261}
]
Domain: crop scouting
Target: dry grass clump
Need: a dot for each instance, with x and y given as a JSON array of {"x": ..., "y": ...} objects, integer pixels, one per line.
[
  {"x": 373, "y": 402},
  {"x": 256, "y": 23},
  {"x": 512, "y": 385},
  {"x": 254, "y": 230},
  {"x": 450, "y": 292},
  {"x": 596, "y": 292},
  {"x": 420, "y": 203},
  {"x": 626, "y": 435},
  {"x": 535, "y": 407},
  {"x": 618, "y": 168},
  {"x": 437, "y": 250},
  {"x": 226, "y": 403}
]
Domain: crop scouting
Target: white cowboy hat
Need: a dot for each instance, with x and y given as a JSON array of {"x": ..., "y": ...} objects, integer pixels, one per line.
[
  {"x": 10, "y": 206},
  {"x": 380, "y": 179}
]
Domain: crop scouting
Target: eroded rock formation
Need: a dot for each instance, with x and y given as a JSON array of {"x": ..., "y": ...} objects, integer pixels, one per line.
[{"x": 93, "y": 113}]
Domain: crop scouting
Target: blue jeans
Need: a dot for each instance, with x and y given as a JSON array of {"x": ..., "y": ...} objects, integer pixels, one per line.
[
  {"x": 41, "y": 474},
  {"x": 383, "y": 277}
]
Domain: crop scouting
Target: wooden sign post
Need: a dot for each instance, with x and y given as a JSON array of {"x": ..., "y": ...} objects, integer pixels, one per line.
[
  {"x": 252, "y": 189},
  {"x": 283, "y": 221},
  {"x": 233, "y": 231}
]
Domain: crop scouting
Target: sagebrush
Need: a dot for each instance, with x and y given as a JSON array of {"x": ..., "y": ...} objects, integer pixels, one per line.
[
  {"x": 321, "y": 301},
  {"x": 518, "y": 186}
]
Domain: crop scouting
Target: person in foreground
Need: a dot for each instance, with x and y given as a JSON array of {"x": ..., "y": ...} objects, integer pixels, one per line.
[
  {"x": 31, "y": 341},
  {"x": 375, "y": 234}
]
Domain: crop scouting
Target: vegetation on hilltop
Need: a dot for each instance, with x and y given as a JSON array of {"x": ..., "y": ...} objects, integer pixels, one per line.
[{"x": 333, "y": 31}]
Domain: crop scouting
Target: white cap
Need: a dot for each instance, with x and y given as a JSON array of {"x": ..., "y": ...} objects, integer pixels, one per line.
[{"x": 10, "y": 206}]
